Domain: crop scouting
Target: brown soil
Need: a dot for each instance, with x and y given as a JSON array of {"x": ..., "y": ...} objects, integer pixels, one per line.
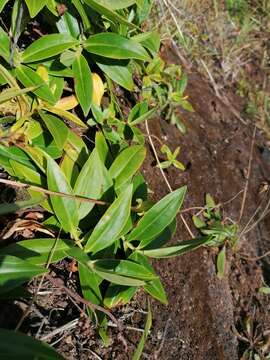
[{"x": 203, "y": 311}]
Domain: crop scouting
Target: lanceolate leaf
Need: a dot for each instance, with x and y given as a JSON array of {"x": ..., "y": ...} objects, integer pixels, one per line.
[
  {"x": 38, "y": 251},
  {"x": 127, "y": 164},
  {"x": 48, "y": 46},
  {"x": 4, "y": 45},
  {"x": 148, "y": 325},
  {"x": 118, "y": 295},
  {"x": 35, "y": 6},
  {"x": 221, "y": 263},
  {"x": 158, "y": 217},
  {"x": 117, "y": 71},
  {"x": 65, "y": 208},
  {"x": 117, "y": 4},
  {"x": 153, "y": 287},
  {"x": 90, "y": 284},
  {"x": 122, "y": 272},
  {"x": 15, "y": 271},
  {"x": 115, "y": 46},
  {"x": 111, "y": 224},
  {"x": 57, "y": 128},
  {"x": 14, "y": 92},
  {"x": 83, "y": 82},
  {"x": 89, "y": 182},
  {"x": 15, "y": 345},
  {"x": 171, "y": 251},
  {"x": 30, "y": 78},
  {"x": 108, "y": 12}
]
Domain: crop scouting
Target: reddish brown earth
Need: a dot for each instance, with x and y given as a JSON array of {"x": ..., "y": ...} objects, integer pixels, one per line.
[{"x": 203, "y": 310}]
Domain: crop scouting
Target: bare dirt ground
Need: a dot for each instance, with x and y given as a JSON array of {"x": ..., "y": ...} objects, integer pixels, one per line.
[{"x": 204, "y": 313}]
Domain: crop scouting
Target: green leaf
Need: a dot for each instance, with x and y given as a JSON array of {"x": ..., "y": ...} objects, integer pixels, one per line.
[
  {"x": 158, "y": 217},
  {"x": 90, "y": 183},
  {"x": 115, "y": 46},
  {"x": 48, "y": 46},
  {"x": 111, "y": 224},
  {"x": 127, "y": 164},
  {"x": 148, "y": 325},
  {"x": 103, "y": 148},
  {"x": 57, "y": 128},
  {"x": 7, "y": 208},
  {"x": 198, "y": 222},
  {"x": 264, "y": 290},
  {"x": 35, "y": 6},
  {"x": 68, "y": 24},
  {"x": 66, "y": 115},
  {"x": 210, "y": 202},
  {"x": 15, "y": 271},
  {"x": 65, "y": 208},
  {"x": 117, "y": 71},
  {"x": 30, "y": 78},
  {"x": 153, "y": 287},
  {"x": 124, "y": 267},
  {"x": 38, "y": 251},
  {"x": 117, "y": 295},
  {"x": 150, "y": 40},
  {"x": 117, "y": 4},
  {"x": 171, "y": 251},
  {"x": 83, "y": 82},
  {"x": 11, "y": 93},
  {"x": 221, "y": 263},
  {"x": 2, "y": 4},
  {"x": 89, "y": 282},
  {"x": 108, "y": 12},
  {"x": 4, "y": 45},
  {"x": 15, "y": 345}
]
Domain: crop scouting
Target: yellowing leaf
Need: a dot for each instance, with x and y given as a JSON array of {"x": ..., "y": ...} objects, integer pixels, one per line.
[
  {"x": 67, "y": 103},
  {"x": 98, "y": 89},
  {"x": 43, "y": 73}
]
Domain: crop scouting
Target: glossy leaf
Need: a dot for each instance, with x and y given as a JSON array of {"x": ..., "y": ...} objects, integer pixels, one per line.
[
  {"x": 89, "y": 282},
  {"x": 117, "y": 295},
  {"x": 68, "y": 24},
  {"x": 98, "y": 89},
  {"x": 15, "y": 271},
  {"x": 11, "y": 93},
  {"x": 66, "y": 115},
  {"x": 111, "y": 224},
  {"x": 171, "y": 251},
  {"x": 48, "y": 46},
  {"x": 108, "y": 12},
  {"x": 57, "y": 128},
  {"x": 153, "y": 287},
  {"x": 117, "y": 4},
  {"x": 35, "y": 6},
  {"x": 124, "y": 268},
  {"x": 89, "y": 183},
  {"x": 115, "y": 46},
  {"x": 30, "y": 78},
  {"x": 150, "y": 40},
  {"x": 15, "y": 345},
  {"x": 117, "y": 71},
  {"x": 127, "y": 164},
  {"x": 83, "y": 82},
  {"x": 148, "y": 325},
  {"x": 4, "y": 45},
  {"x": 158, "y": 217},
  {"x": 65, "y": 208},
  {"x": 2, "y": 4},
  {"x": 122, "y": 272},
  {"x": 7, "y": 208},
  {"x": 38, "y": 251}
]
